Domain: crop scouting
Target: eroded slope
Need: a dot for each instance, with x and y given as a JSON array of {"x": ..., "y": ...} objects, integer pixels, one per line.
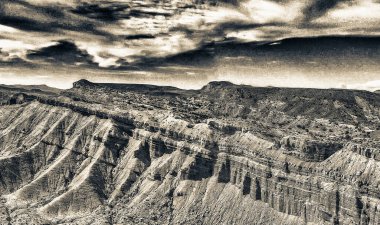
[{"x": 225, "y": 154}]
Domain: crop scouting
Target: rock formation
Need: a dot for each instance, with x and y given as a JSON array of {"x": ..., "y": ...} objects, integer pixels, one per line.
[{"x": 224, "y": 154}]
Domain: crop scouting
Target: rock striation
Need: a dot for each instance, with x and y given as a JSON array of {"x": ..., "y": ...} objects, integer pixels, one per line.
[{"x": 224, "y": 154}]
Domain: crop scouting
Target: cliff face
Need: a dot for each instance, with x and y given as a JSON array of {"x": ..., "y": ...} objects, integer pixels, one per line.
[{"x": 225, "y": 154}]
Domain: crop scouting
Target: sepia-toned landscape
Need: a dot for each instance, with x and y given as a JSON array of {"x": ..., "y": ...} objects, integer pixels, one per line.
[{"x": 189, "y": 112}]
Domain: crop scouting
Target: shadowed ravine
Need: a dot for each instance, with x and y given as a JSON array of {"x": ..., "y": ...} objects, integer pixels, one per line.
[{"x": 224, "y": 154}]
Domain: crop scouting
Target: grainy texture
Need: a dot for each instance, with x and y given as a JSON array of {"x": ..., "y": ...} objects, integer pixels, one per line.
[{"x": 225, "y": 154}]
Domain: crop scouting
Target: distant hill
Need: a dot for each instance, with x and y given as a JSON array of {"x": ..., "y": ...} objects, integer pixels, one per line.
[{"x": 35, "y": 88}]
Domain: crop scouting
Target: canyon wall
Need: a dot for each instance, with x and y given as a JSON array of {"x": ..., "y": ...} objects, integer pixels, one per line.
[{"x": 108, "y": 154}]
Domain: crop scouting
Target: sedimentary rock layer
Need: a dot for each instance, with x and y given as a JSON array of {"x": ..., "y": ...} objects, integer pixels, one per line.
[{"x": 225, "y": 154}]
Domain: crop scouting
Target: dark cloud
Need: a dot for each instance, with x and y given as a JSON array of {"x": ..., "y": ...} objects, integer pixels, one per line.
[
  {"x": 44, "y": 18},
  {"x": 139, "y": 36},
  {"x": 206, "y": 55},
  {"x": 318, "y": 8},
  {"x": 103, "y": 11},
  {"x": 18, "y": 62},
  {"x": 47, "y": 10},
  {"x": 143, "y": 13},
  {"x": 236, "y": 25},
  {"x": 203, "y": 56},
  {"x": 219, "y": 2},
  {"x": 64, "y": 52},
  {"x": 114, "y": 11},
  {"x": 26, "y": 24},
  {"x": 322, "y": 52}
]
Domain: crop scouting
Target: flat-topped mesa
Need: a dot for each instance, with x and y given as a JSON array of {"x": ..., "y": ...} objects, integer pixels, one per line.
[
  {"x": 215, "y": 84},
  {"x": 148, "y": 87},
  {"x": 224, "y": 99},
  {"x": 83, "y": 83},
  {"x": 137, "y": 88}
]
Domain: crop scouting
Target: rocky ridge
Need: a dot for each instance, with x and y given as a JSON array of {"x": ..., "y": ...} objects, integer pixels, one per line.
[{"x": 224, "y": 154}]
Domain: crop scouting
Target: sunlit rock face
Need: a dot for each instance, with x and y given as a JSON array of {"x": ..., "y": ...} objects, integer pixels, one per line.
[{"x": 224, "y": 154}]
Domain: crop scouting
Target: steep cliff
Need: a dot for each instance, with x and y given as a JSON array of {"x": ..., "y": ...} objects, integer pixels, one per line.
[{"x": 225, "y": 154}]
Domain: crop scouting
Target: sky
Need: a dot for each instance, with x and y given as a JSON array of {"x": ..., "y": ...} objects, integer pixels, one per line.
[{"x": 187, "y": 43}]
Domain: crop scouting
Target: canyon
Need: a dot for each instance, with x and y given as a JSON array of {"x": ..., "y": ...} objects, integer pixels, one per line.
[{"x": 102, "y": 153}]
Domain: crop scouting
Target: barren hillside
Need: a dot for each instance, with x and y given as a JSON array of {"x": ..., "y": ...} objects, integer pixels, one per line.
[{"x": 224, "y": 154}]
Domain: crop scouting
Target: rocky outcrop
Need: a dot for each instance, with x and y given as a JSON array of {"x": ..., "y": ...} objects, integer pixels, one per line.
[
  {"x": 310, "y": 150},
  {"x": 125, "y": 158}
]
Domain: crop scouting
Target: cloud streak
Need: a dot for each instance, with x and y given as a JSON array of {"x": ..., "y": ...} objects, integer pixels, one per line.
[{"x": 118, "y": 34}]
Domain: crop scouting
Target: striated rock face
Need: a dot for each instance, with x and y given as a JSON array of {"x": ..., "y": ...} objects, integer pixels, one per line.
[{"x": 225, "y": 154}]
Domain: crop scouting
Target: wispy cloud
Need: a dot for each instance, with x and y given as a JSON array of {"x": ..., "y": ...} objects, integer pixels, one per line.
[{"x": 114, "y": 33}]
